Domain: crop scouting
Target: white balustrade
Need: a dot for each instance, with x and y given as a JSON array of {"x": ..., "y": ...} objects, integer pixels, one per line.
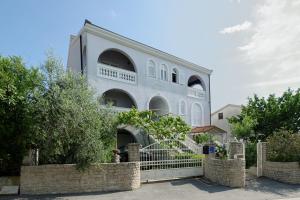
[
  {"x": 115, "y": 73},
  {"x": 196, "y": 93}
]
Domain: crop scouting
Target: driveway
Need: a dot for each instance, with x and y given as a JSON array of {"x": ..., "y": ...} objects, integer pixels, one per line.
[{"x": 191, "y": 189}]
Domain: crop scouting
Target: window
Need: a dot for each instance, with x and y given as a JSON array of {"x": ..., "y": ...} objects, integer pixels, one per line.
[
  {"x": 164, "y": 73},
  {"x": 220, "y": 115},
  {"x": 151, "y": 69},
  {"x": 182, "y": 108},
  {"x": 174, "y": 76},
  {"x": 197, "y": 115}
]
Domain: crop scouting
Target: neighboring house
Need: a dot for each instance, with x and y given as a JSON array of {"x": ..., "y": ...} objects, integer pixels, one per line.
[
  {"x": 218, "y": 134},
  {"x": 220, "y": 117},
  {"x": 129, "y": 74}
]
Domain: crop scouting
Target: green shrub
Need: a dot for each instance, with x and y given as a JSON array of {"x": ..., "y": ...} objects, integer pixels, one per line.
[
  {"x": 251, "y": 154},
  {"x": 181, "y": 156},
  {"x": 283, "y": 146},
  {"x": 204, "y": 138},
  {"x": 221, "y": 152}
]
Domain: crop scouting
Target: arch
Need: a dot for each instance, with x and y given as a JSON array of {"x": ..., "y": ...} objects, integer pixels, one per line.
[
  {"x": 196, "y": 81},
  {"x": 182, "y": 108},
  {"x": 164, "y": 72},
  {"x": 124, "y": 137},
  {"x": 118, "y": 98},
  {"x": 159, "y": 105},
  {"x": 197, "y": 114},
  {"x": 117, "y": 58},
  {"x": 151, "y": 68},
  {"x": 175, "y": 75}
]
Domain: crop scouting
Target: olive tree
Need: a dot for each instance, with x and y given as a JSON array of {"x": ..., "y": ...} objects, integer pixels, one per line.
[{"x": 71, "y": 126}]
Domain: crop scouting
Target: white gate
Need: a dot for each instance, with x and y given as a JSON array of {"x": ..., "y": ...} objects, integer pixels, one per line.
[{"x": 169, "y": 159}]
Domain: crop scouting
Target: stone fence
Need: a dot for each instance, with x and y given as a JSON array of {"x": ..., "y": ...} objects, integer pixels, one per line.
[
  {"x": 227, "y": 172},
  {"x": 288, "y": 172},
  {"x": 52, "y": 179}
]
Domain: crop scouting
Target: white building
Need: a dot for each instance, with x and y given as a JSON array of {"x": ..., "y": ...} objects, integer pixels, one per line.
[
  {"x": 131, "y": 74},
  {"x": 220, "y": 117}
]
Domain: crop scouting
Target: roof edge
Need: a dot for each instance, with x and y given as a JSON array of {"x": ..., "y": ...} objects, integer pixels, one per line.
[
  {"x": 222, "y": 108},
  {"x": 94, "y": 29}
]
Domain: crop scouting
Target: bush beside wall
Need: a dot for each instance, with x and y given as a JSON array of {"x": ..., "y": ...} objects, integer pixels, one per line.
[{"x": 287, "y": 172}]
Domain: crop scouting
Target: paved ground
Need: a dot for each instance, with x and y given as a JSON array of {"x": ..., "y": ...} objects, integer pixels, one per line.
[{"x": 190, "y": 189}]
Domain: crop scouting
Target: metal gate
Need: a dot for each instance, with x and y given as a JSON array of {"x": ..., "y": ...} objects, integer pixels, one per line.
[{"x": 169, "y": 159}]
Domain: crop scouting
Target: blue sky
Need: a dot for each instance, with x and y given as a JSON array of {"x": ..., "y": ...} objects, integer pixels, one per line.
[{"x": 252, "y": 46}]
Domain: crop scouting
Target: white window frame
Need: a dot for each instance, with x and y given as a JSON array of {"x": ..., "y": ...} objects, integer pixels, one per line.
[
  {"x": 148, "y": 68},
  {"x": 164, "y": 72}
]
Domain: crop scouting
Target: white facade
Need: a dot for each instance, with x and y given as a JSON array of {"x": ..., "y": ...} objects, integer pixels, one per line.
[
  {"x": 129, "y": 73},
  {"x": 220, "y": 117}
]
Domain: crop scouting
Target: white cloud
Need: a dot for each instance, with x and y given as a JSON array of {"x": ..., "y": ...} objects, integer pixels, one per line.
[
  {"x": 237, "y": 28},
  {"x": 272, "y": 53}
]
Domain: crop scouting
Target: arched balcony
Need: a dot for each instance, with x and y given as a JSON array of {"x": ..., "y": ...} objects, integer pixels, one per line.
[
  {"x": 118, "y": 99},
  {"x": 116, "y": 65},
  {"x": 159, "y": 105},
  {"x": 196, "y": 87}
]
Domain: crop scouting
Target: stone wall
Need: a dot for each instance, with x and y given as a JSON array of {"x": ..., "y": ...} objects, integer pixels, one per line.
[
  {"x": 229, "y": 172},
  {"x": 133, "y": 152},
  {"x": 288, "y": 172},
  {"x": 51, "y": 179},
  {"x": 236, "y": 148}
]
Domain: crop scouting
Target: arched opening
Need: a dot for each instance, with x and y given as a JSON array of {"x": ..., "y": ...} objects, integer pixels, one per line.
[
  {"x": 116, "y": 58},
  {"x": 159, "y": 105},
  {"x": 197, "y": 115},
  {"x": 175, "y": 75},
  {"x": 124, "y": 137},
  {"x": 118, "y": 98},
  {"x": 196, "y": 82}
]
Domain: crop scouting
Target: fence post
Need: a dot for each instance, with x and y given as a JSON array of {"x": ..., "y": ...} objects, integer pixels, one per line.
[
  {"x": 133, "y": 152},
  {"x": 261, "y": 157},
  {"x": 236, "y": 149}
]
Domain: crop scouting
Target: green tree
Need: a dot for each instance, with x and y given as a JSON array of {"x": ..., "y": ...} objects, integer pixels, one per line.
[
  {"x": 159, "y": 127},
  {"x": 71, "y": 126},
  {"x": 244, "y": 128},
  {"x": 264, "y": 116},
  {"x": 204, "y": 138},
  {"x": 17, "y": 87}
]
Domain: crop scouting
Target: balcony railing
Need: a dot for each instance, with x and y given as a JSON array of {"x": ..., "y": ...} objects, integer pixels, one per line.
[
  {"x": 115, "y": 73},
  {"x": 120, "y": 109},
  {"x": 196, "y": 93}
]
